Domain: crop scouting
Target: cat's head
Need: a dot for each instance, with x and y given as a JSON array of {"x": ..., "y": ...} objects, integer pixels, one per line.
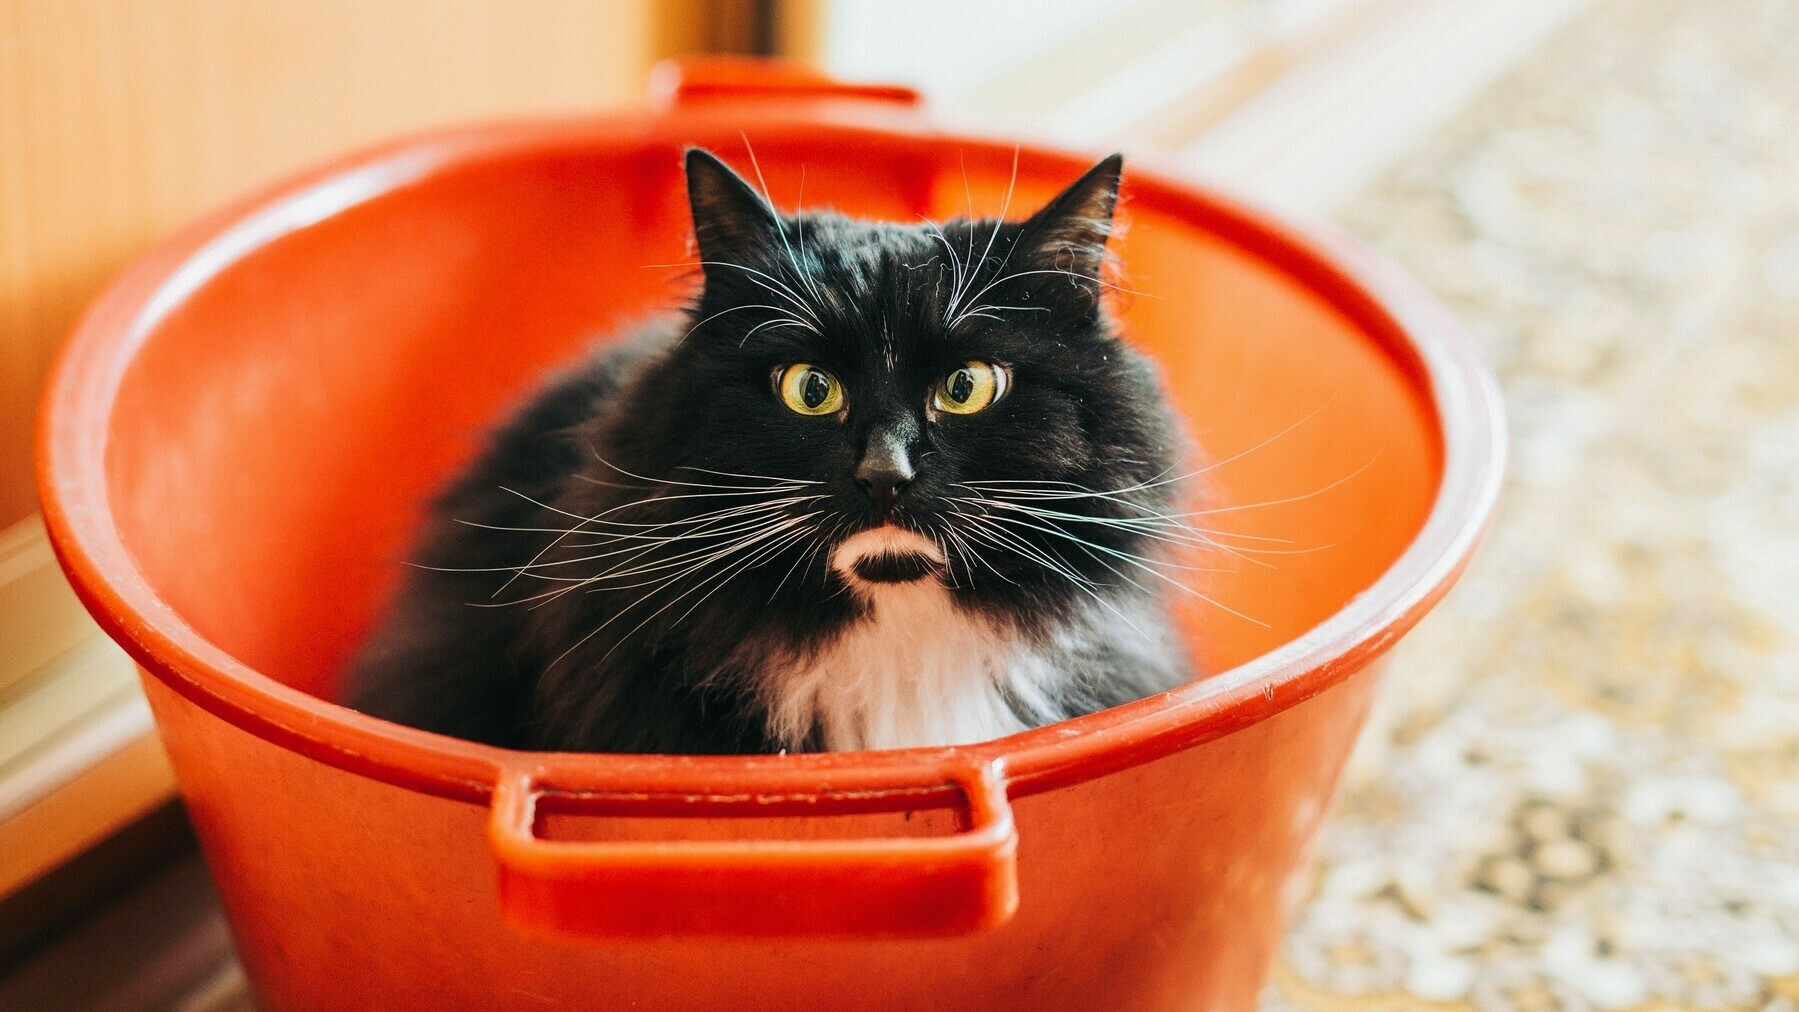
[{"x": 941, "y": 402}]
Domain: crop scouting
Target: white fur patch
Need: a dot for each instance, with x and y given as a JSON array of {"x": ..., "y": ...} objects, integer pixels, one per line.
[
  {"x": 883, "y": 540},
  {"x": 917, "y": 670}
]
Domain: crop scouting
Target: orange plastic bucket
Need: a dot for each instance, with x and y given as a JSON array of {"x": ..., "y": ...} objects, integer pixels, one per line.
[{"x": 239, "y": 437}]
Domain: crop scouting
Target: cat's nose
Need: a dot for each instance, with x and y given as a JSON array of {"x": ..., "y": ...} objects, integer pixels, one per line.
[{"x": 885, "y": 469}]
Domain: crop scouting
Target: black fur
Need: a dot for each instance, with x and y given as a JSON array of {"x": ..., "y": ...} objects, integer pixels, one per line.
[
  {"x": 895, "y": 567},
  {"x": 639, "y": 437}
]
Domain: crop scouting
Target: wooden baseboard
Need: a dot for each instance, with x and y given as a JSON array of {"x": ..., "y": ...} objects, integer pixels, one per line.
[
  {"x": 90, "y": 806},
  {"x": 79, "y": 757},
  {"x": 37, "y": 622}
]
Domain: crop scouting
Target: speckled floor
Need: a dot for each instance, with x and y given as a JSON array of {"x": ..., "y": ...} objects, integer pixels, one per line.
[{"x": 1581, "y": 786}]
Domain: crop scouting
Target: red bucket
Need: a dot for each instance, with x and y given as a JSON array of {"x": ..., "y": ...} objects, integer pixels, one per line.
[{"x": 239, "y": 439}]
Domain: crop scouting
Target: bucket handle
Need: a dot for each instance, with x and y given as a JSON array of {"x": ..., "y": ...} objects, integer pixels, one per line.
[
  {"x": 693, "y": 80},
  {"x": 868, "y": 887}
]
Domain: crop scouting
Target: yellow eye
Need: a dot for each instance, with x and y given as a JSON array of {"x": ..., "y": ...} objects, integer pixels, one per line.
[
  {"x": 808, "y": 389},
  {"x": 970, "y": 387}
]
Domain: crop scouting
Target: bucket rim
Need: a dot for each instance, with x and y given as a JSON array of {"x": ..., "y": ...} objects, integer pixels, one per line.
[{"x": 1409, "y": 324}]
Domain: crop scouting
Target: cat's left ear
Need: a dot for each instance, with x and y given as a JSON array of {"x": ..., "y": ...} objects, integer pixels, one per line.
[
  {"x": 731, "y": 221},
  {"x": 1070, "y": 232}
]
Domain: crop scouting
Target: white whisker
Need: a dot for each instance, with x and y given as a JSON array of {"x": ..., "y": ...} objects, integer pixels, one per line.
[
  {"x": 720, "y": 578},
  {"x": 1151, "y": 568}
]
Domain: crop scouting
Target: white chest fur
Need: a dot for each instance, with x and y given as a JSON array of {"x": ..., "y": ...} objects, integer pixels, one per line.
[{"x": 916, "y": 670}]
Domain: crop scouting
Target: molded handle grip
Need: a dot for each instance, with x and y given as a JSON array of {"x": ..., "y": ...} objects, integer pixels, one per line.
[
  {"x": 695, "y": 79},
  {"x": 888, "y": 886}
]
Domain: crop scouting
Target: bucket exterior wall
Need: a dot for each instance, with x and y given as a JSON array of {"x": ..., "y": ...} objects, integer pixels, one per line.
[{"x": 1163, "y": 886}]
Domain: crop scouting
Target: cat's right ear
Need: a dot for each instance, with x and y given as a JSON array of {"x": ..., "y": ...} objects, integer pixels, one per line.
[{"x": 731, "y": 221}]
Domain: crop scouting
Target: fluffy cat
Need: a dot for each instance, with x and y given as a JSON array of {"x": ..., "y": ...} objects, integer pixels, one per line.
[{"x": 880, "y": 486}]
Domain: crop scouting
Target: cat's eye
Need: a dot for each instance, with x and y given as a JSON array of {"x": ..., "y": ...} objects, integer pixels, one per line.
[
  {"x": 808, "y": 389},
  {"x": 970, "y": 387}
]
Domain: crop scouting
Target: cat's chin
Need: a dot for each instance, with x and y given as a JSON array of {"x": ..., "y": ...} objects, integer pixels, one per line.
[
  {"x": 887, "y": 555},
  {"x": 894, "y": 568}
]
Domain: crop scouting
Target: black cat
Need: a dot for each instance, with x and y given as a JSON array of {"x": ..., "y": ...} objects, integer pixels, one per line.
[{"x": 880, "y": 486}]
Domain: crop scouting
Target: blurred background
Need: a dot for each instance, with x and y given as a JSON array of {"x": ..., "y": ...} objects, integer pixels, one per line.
[{"x": 1580, "y": 788}]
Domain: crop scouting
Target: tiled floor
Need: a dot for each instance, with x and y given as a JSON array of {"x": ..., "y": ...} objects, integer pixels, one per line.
[{"x": 1582, "y": 786}]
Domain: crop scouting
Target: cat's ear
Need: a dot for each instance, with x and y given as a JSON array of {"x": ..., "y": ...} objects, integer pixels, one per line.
[
  {"x": 730, "y": 219},
  {"x": 1070, "y": 232}
]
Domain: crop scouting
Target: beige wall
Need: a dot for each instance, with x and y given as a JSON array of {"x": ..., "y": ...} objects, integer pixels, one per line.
[{"x": 120, "y": 119}]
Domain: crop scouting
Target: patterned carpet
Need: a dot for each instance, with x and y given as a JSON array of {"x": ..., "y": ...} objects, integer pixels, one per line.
[{"x": 1581, "y": 786}]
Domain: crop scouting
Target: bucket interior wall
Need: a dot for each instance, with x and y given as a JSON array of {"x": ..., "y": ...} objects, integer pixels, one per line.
[{"x": 278, "y": 433}]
